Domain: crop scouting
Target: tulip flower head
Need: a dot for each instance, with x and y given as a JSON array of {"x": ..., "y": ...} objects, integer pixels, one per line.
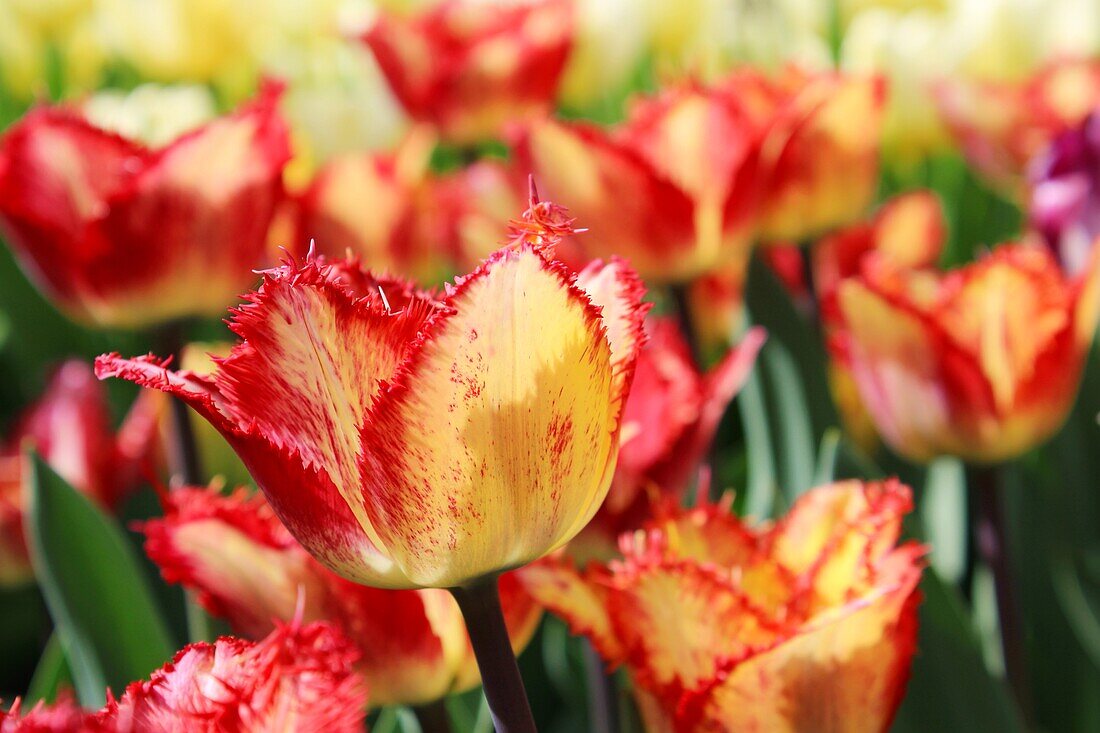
[
  {"x": 409, "y": 439},
  {"x": 673, "y": 187},
  {"x": 982, "y": 363},
  {"x": 470, "y": 68},
  {"x": 300, "y": 677},
  {"x": 61, "y": 716},
  {"x": 821, "y": 155},
  {"x": 809, "y": 624},
  {"x": 118, "y": 234},
  {"x": 1065, "y": 193},
  {"x": 412, "y": 643}
]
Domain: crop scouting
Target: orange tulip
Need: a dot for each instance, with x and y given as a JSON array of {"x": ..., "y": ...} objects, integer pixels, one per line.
[
  {"x": 471, "y": 68},
  {"x": 981, "y": 363},
  {"x": 807, "y": 625},
  {"x": 412, "y": 643},
  {"x": 673, "y": 188},
  {"x": 1001, "y": 126}
]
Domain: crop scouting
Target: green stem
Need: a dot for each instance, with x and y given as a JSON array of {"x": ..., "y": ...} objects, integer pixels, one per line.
[
  {"x": 991, "y": 541},
  {"x": 433, "y": 717},
  {"x": 500, "y": 678}
]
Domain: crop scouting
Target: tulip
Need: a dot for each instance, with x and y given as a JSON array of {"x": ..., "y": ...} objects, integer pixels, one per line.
[
  {"x": 807, "y": 624},
  {"x": 391, "y": 430},
  {"x": 70, "y": 427},
  {"x": 409, "y": 440},
  {"x": 297, "y": 678},
  {"x": 470, "y": 68},
  {"x": 152, "y": 114},
  {"x": 821, "y": 153},
  {"x": 672, "y": 188},
  {"x": 1003, "y": 125},
  {"x": 1065, "y": 193},
  {"x": 414, "y": 649},
  {"x": 405, "y": 231},
  {"x": 669, "y": 423},
  {"x": 981, "y": 363},
  {"x": 60, "y": 717},
  {"x": 118, "y": 234}
]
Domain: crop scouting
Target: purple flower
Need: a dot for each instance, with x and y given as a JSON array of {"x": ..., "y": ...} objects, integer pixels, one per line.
[{"x": 1065, "y": 193}]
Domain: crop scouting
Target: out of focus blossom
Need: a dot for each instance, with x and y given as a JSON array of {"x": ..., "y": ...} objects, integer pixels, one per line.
[
  {"x": 1065, "y": 193},
  {"x": 299, "y": 677},
  {"x": 809, "y": 624},
  {"x": 70, "y": 427},
  {"x": 1003, "y": 125},
  {"x": 120, "y": 234},
  {"x": 706, "y": 38},
  {"x": 470, "y": 68},
  {"x": 246, "y": 567},
  {"x": 26, "y": 47},
  {"x": 390, "y": 428},
  {"x": 609, "y": 43},
  {"x": 982, "y": 363},
  {"x": 673, "y": 189},
  {"x": 908, "y": 49},
  {"x": 821, "y": 154},
  {"x": 669, "y": 423},
  {"x": 152, "y": 114},
  {"x": 63, "y": 716},
  {"x": 388, "y": 209}
]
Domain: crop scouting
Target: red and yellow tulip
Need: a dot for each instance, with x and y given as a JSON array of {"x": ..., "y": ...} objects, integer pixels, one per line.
[
  {"x": 412, "y": 643},
  {"x": 409, "y": 439},
  {"x": 118, "y": 234},
  {"x": 981, "y": 362},
  {"x": 673, "y": 188},
  {"x": 821, "y": 154},
  {"x": 809, "y": 624},
  {"x": 469, "y": 69}
]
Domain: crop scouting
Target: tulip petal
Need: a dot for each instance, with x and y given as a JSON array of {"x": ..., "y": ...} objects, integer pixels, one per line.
[
  {"x": 579, "y": 599},
  {"x": 671, "y": 616},
  {"x": 506, "y": 410},
  {"x": 846, "y": 671},
  {"x": 311, "y": 362},
  {"x": 305, "y": 499}
]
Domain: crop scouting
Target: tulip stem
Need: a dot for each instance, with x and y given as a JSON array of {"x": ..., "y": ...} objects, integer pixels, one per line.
[
  {"x": 500, "y": 678},
  {"x": 680, "y": 298},
  {"x": 433, "y": 717},
  {"x": 183, "y": 452},
  {"x": 603, "y": 700},
  {"x": 991, "y": 540}
]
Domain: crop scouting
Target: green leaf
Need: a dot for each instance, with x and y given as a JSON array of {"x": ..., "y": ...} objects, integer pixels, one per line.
[
  {"x": 760, "y": 490},
  {"x": 950, "y": 689},
  {"x": 793, "y": 432},
  {"x": 828, "y": 457},
  {"x": 51, "y": 674},
  {"x": 100, "y": 601}
]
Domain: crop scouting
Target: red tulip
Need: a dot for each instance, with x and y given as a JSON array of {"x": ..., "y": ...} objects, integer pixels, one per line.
[
  {"x": 117, "y": 234},
  {"x": 247, "y": 568},
  {"x": 470, "y": 68}
]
